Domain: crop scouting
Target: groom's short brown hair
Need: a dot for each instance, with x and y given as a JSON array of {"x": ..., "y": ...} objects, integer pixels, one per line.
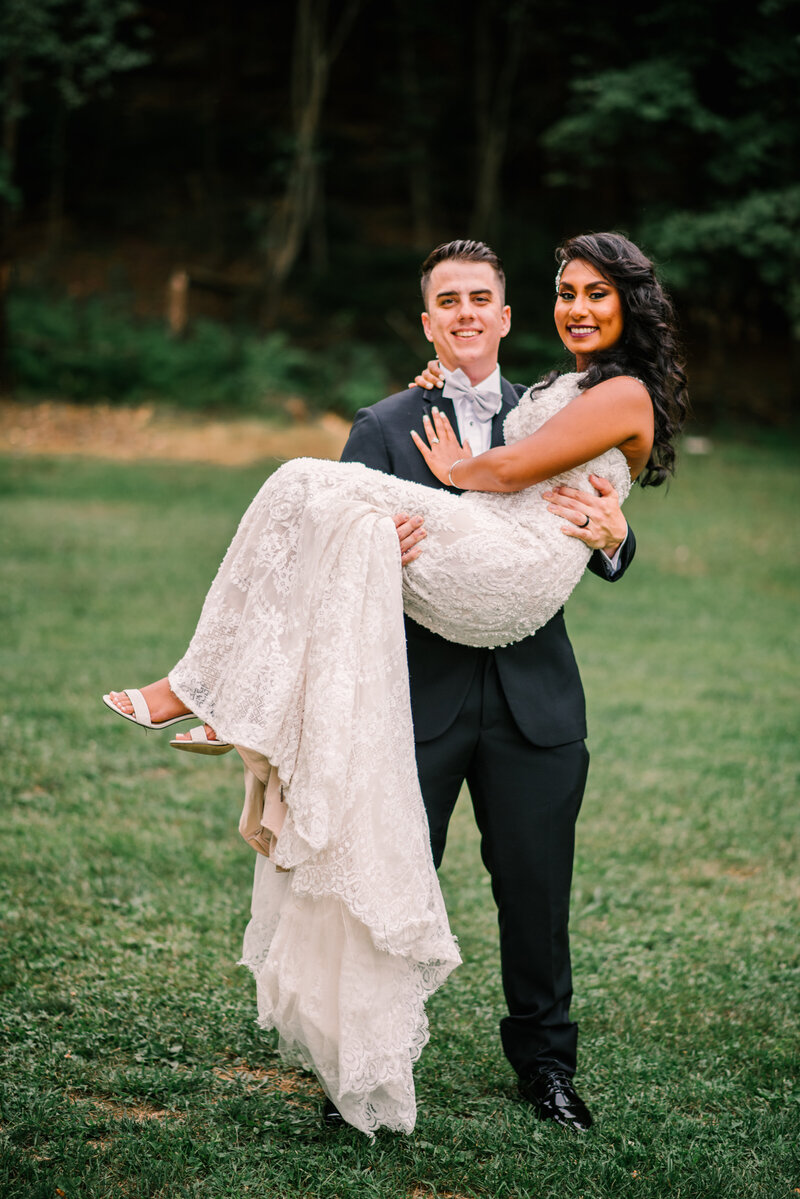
[{"x": 461, "y": 251}]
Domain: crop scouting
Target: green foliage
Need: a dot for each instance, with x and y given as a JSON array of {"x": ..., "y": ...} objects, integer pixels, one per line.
[
  {"x": 761, "y": 228},
  {"x": 92, "y": 47},
  {"x": 96, "y": 350},
  {"x": 530, "y": 356},
  {"x": 132, "y": 1064},
  {"x": 349, "y": 375},
  {"x": 701, "y": 167},
  {"x": 77, "y": 47},
  {"x": 9, "y": 194},
  {"x": 612, "y": 108}
]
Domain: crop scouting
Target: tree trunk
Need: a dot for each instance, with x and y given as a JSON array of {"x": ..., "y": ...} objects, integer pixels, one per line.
[
  {"x": 13, "y": 90},
  {"x": 418, "y": 171},
  {"x": 58, "y": 170},
  {"x": 313, "y": 54},
  {"x": 494, "y": 89},
  {"x": 218, "y": 37}
]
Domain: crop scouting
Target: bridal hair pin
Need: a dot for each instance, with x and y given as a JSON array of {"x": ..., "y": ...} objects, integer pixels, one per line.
[{"x": 560, "y": 273}]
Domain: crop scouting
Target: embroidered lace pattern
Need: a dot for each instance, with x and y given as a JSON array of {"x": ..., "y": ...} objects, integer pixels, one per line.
[{"x": 299, "y": 656}]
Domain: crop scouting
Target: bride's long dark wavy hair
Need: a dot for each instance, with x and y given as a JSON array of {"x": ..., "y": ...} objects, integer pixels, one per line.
[{"x": 648, "y": 348}]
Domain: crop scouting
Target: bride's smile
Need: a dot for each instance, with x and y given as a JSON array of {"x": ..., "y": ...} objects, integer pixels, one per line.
[{"x": 588, "y": 311}]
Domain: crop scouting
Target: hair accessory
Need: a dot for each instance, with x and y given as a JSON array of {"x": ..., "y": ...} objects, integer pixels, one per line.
[{"x": 560, "y": 273}]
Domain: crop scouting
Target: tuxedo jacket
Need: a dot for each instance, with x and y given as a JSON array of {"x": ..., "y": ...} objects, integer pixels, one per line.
[{"x": 539, "y": 675}]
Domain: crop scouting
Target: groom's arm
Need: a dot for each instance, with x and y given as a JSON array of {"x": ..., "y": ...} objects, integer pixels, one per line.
[
  {"x": 614, "y": 568},
  {"x": 366, "y": 443},
  {"x": 607, "y": 532}
]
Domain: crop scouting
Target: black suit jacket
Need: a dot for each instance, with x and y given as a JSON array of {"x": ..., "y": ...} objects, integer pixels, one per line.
[{"x": 539, "y": 675}]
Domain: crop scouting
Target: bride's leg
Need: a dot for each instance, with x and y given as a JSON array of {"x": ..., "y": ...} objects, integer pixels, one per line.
[{"x": 262, "y": 560}]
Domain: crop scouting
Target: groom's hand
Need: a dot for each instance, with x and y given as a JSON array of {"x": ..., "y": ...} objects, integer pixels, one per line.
[
  {"x": 410, "y": 532},
  {"x": 607, "y": 527}
]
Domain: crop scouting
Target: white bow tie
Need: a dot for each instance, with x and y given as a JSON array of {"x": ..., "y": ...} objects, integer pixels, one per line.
[{"x": 484, "y": 402}]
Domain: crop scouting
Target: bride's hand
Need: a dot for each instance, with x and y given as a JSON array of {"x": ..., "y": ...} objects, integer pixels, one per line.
[
  {"x": 430, "y": 377},
  {"x": 444, "y": 448}
]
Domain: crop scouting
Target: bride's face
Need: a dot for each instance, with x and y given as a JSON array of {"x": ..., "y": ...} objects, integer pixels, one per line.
[{"x": 588, "y": 312}]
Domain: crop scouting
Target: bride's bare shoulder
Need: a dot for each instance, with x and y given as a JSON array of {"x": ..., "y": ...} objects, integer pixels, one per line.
[{"x": 623, "y": 386}]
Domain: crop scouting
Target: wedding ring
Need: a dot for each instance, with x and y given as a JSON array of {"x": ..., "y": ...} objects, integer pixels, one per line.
[{"x": 585, "y": 523}]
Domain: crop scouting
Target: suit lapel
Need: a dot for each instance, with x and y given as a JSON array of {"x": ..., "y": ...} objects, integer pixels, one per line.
[
  {"x": 415, "y": 467},
  {"x": 510, "y": 400},
  {"x": 444, "y": 405}
]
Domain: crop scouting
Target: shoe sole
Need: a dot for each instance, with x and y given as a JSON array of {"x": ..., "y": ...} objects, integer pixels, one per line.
[{"x": 195, "y": 747}]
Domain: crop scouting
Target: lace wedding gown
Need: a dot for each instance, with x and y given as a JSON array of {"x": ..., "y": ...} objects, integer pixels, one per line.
[{"x": 299, "y": 659}]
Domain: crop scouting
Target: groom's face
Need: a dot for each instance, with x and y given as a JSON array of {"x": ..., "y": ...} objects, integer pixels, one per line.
[{"x": 466, "y": 317}]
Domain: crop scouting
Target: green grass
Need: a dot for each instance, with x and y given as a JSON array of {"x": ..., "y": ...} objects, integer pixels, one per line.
[{"x": 132, "y": 1065}]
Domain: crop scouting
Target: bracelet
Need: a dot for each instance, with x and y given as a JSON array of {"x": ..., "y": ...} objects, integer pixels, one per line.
[{"x": 450, "y": 473}]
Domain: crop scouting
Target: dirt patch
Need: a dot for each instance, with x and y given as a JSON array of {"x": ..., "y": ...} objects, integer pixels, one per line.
[
  {"x": 289, "y": 1082},
  {"x": 56, "y": 428},
  {"x": 118, "y": 1110},
  {"x": 422, "y": 1192}
]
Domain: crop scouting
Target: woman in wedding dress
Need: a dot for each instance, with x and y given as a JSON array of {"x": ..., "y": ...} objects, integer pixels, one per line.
[{"x": 299, "y": 660}]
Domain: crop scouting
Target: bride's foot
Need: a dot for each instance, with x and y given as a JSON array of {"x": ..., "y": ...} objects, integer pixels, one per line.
[
  {"x": 201, "y": 740},
  {"x": 162, "y": 703},
  {"x": 207, "y": 729}
]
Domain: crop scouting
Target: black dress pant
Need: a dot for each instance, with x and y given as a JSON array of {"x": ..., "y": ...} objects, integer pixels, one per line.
[{"x": 526, "y": 800}]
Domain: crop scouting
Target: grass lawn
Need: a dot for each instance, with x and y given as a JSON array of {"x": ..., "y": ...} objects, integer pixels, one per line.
[{"x": 132, "y": 1065}]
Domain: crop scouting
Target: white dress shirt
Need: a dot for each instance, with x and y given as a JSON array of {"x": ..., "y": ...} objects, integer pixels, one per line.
[{"x": 477, "y": 432}]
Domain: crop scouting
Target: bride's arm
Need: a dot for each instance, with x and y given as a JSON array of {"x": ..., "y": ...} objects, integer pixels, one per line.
[{"x": 617, "y": 412}]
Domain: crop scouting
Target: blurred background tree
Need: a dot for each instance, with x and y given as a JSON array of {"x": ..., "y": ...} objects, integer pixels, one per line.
[
  {"x": 298, "y": 161},
  {"x": 69, "y": 51}
]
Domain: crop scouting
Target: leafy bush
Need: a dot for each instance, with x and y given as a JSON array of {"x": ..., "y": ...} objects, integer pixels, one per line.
[{"x": 95, "y": 349}]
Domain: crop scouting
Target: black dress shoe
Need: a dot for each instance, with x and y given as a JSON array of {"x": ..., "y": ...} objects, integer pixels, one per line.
[
  {"x": 331, "y": 1116},
  {"x": 554, "y": 1098}
]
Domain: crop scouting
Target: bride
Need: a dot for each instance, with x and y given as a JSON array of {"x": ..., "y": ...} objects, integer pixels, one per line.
[{"x": 299, "y": 660}]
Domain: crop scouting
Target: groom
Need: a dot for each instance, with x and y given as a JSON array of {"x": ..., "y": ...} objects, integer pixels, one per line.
[{"x": 509, "y": 721}]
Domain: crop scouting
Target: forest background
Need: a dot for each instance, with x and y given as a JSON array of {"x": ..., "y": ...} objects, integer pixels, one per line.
[{"x": 225, "y": 204}]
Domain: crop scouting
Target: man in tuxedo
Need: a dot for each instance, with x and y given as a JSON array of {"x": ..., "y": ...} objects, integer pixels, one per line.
[{"x": 509, "y": 721}]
